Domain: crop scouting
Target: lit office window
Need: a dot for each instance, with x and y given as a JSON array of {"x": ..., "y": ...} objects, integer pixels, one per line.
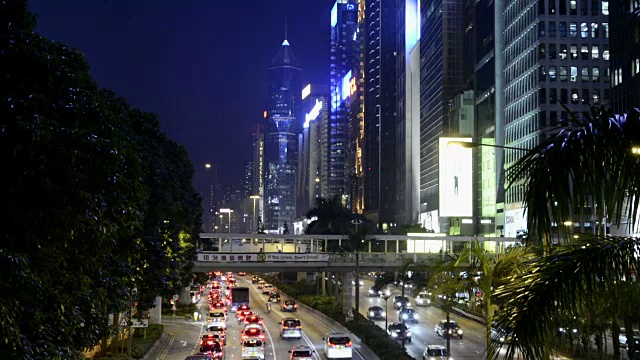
[
  {"x": 595, "y": 53},
  {"x": 605, "y": 7},
  {"x": 595, "y": 74},
  {"x": 563, "y": 52},
  {"x": 584, "y": 30},
  {"x": 574, "y": 74},
  {"x": 573, "y": 29}
]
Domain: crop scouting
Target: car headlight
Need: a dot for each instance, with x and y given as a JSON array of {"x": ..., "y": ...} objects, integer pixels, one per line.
[
  {"x": 416, "y": 316},
  {"x": 371, "y": 313},
  {"x": 404, "y": 316},
  {"x": 501, "y": 339},
  {"x": 398, "y": 303},
  {"x": 393, "y": 334},
  {"x": 383, "y": 314},
  {"x": 408, "y": 333},
  {"x": 459, "y": 331},
  {"x": 371, "y": 291}
]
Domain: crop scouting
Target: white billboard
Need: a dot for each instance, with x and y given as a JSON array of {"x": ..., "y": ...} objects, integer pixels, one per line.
[
  {"x": 456, "y": 177},
  {"x": 514, "y": 220}
]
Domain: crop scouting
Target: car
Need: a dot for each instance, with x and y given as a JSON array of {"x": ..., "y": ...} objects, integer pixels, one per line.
[
  {"x": 261, "y": 284},
  {"x": 215, "y": 286},
  {"x": 274, "y": 296},
  {"x": 212, "y": 347},
  {"x": 216, "y": 328},
  {"x": 376, "y": 313},
  {"x": 500, "y": 335},
  {"x": 241, "y": 273},
  {"x": 217, "y": 325},
  {"x": 217, "y": 316},
  {"x": 252, "y": 319},
  {"x": 253, "y": 331},
  {"x": 408, "y": 315},
  {"x": 399, "y": 331},
  {"x": 435, "y": 352},
  {"x": 374, "y": 291},
  {"x": 301, "y": 352},
  {"x": 215, "y": 336},
  {"x": 288, "y": 305},
  {"x": 266, "y": 289},
  {"x": 423, "y": 299},
  {"x": 252, "y": 349},
  {"x": 231, "y": 283},
  {"x": 384, "y": 292},
  {"x": 218, "y": 306},
  {"x": 201, "y": 356},
  {"x": 337, "y": 346},
  {"x": 400, "y": 302},
  {"x": 290, "y": 328},
  {"x": 255, "y": 279},
  {"x": 445, "y": 330},
  {"x": 360, "y": 282}
]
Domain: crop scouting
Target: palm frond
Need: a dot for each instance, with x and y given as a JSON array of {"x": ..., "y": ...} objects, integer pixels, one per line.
[
  {"x": 576, "y": 276},
  {"x": 582, "y": 168}
]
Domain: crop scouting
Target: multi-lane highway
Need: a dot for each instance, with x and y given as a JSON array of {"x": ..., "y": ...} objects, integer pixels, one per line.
[
  {"x": 187, "y": 335},
  {"x": 471, "y": 346}
]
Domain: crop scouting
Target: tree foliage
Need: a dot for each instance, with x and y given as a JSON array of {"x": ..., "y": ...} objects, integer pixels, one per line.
[
  {"x": 96, "y": 199},
  {"x": 585, "y": 167}
]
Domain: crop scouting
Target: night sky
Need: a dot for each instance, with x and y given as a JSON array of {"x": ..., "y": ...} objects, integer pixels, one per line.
[{"x": 201, "y": 66}]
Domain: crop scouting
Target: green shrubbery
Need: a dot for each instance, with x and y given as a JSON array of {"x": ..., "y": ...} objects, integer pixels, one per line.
[
  {"x": 376, "y": 339},
  {"x": 182, "y": 310},
  {"x": 139, "y": 346}
]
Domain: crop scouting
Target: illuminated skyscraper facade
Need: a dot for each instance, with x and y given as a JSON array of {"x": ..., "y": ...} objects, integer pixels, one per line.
[
  {"x": 281, "y": 139},
  {"x": 344, "y": 62}
]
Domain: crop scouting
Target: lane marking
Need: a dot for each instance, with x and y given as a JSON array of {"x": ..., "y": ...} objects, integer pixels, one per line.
[{"x": 166, "y": 350}]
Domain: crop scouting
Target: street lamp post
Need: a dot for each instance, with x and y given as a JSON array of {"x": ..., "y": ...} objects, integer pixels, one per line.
[
  {"x": 386, "y": 297},
  {"x": 254, "y": 223}
]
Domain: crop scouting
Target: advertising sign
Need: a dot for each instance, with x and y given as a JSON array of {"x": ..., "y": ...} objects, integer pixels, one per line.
[
  {"x": 456, "y": 180},
  {"x": 514, "y": 220},
  {"x": 265, "y": 257}
]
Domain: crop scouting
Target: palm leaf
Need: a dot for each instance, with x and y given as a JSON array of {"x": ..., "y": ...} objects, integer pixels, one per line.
[
  {"x": 582, "y": 168},
  {"x": 578, "y": 276}
]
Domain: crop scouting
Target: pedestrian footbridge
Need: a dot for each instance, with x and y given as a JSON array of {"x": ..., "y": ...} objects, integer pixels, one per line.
[{"x": 317, "y": 253}]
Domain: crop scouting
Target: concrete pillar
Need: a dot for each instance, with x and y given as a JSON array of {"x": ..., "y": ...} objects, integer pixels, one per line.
[
  {"x": 323, "y": 281},
  {"x": 301, "y": 276},
  {"x": 185, "y": 298},
  {"x": 156, "y": 311}
]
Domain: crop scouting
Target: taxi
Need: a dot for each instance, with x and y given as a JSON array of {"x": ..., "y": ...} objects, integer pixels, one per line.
[
  {"x": 217, "y": 328},
  {"x": 217, "y": 325},
  {"x": 267, "y": 289},
  {"x": 261, "y": 284},
  {"x": 291, "y": 328},
  {"x": 288, "y": 305},
  {"x": 338, "y": 346},
  {"x": 252, "y": 349},
  {"x": 217, "y": 316},
  {"x": 253, "y": 331}
]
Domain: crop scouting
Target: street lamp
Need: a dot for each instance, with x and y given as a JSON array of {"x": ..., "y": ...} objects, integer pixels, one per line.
[
  {"x": 254, "y": 197},
  {"x": 386, "y": 296},
  {"x": 207, "y": 165}
]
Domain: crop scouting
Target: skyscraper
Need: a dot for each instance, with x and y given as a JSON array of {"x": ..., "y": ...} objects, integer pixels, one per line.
[
  {"x": 281, "y": 138},
  {"x": 441, "y": 56},
  {"x": 625, "y": 53},
  {"x": 344, "y": 62},
  {"x": 555, "y": 52},
  {"x": 379, "y": 37}
]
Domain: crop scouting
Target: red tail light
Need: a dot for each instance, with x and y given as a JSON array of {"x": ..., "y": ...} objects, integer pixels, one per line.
[
  {"x": 295, "y": 306},
  {"x": 201, "y": 342},
  {"x": 261, "y": 336},
  {"x": 331, "y": 344},
  {"x": 210, "y": 342},
  {"x": 298, "y": 327},
  {"x": 349, "y": 344}
]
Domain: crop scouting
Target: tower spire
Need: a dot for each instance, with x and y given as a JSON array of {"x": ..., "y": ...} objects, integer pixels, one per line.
[{"x": 285, "y": 42}]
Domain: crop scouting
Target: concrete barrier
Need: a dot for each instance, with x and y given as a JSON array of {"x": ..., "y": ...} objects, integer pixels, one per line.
[{"x": 158, "y": 350}]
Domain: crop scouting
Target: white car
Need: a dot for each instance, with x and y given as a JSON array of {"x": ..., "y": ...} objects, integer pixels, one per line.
[
  {"x": 290, "y": 328},
  {"x": 216, "y": 325},
  {"x": 266, "y": 289},
  {"x": 217, "y": 316},
  {"x": 253, "y": 349},
  {"x": 301, "y": 352},
  {"x": 337, "y": 346},
  {"x": 423, "y": 299},
  {"x": 435, "y": 352}
]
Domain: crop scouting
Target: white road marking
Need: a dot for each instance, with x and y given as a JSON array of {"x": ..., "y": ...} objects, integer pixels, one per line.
[{"x": 183, "y": 342}]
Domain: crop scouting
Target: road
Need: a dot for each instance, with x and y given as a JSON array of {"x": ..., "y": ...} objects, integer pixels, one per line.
[{"x": 314, "y": 329}]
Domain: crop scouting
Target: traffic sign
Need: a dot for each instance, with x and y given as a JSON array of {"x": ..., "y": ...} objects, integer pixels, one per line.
[
  {"x": 176, "y": 297},
  {"x": 123, "y": 321},
  {"x": 174, "y": 308},
  {"x": 139, "y": 323}
]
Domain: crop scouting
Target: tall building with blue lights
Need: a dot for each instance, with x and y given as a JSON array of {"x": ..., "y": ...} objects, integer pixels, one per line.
[
  {"x": 281, "y": 139},
  {"x": 344, "y": 64}
]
